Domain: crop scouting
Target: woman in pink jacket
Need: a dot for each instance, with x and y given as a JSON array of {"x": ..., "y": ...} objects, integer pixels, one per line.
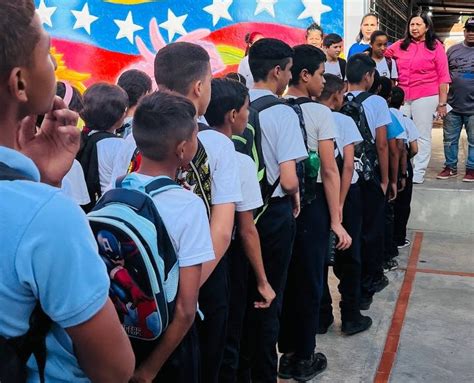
[{"x": 423, "y": 74}]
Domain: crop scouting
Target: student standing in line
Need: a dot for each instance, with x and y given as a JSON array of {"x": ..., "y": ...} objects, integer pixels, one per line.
[
  {"x": 385, "y": 65},
  {"x": 282, "y": 145},
  {"x": 299, "y": 324},
  {"x": 369, "y": 24},
  {"x": 49, "y": 256},
  {"x": 185, "y": 68},
  {"x": 335, "y": 65},
  {"x": 347, "y": 267}
]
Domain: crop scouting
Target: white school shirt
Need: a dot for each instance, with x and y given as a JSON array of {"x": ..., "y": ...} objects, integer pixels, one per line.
[
  {"x": 376, "y": 110},
  {"x": 122, "y": 160},
  {"x": 399, "y": 116},
  {"x": 333, "y": 68},
  {"x": 251, "y": 194},
  {"x": 382, "y": 68},
  {"x": 244, "y": 70},
  {"x": 223, "y": 166},
  {"x": 281, "y": 138},
  {"x": 107, "y": 150},
  {"x": 347, "y": 134},
  {"x": 185, "y": 218},
  {"x": 74, "y": 184},
  {"x": 412, "y": 131}
]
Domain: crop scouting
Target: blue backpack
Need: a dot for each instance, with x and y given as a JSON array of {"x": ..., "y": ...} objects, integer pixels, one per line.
[{"x": 140, "y": 258}]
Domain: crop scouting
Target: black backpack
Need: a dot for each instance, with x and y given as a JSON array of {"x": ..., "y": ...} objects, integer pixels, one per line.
[
  {"x": 250, "y": 143},
  {"x": 15, "y": 352},
  {"x": 365, "y": 153},
  {"x": 87, "y": 157}
]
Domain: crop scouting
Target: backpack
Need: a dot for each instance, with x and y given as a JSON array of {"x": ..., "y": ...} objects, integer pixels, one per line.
[
  {"x": 250, "y": 143},
  {"x": 15, "y": 352},
  {"x": 365, "y": 152},
  {"x": 141, "y": 261},
  {"x": 342, "y": 67},
  {"x": 308, "y": 169},
  {"x": 87, "y": 156}
]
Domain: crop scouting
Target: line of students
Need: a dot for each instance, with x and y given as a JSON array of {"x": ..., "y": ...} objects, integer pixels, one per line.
[{"x": 246, "y": 311}]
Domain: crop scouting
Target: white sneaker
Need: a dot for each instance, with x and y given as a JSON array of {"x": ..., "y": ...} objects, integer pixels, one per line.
[{"x": 405, "y": 244}]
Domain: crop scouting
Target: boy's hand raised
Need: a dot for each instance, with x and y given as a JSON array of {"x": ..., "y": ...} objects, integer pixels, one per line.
[{"x": 54, "y": 146}]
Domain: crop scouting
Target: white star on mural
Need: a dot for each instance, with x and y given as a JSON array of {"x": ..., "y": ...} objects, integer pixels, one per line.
[
  {"x": 219, "y": 9},
  {"x": 45, "y": 13},
  {"x": 314, "y": 9},
  {"x": 127, "y": 28},
  {"x": 84, "y": 19},
  {"x": 174, "y": 25},
  {"x": 265, "y": 6}
]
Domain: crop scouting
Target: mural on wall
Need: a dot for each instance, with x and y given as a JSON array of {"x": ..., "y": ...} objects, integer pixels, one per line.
[{"x": 96, "y": 40}]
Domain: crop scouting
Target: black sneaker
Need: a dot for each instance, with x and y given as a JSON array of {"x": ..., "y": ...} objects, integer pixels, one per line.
[
  {"x": 365, "y": 303},
  {"x": 360, "y": 324},
  {"x": 286, "y": 366},
  {"x": 405, "y": 243},
  {"x": 379, "y": 285},
  {"x": 323, "y": 327},
  {"x": 390, "y": 265},
  {"x": 307, "y": 369}
]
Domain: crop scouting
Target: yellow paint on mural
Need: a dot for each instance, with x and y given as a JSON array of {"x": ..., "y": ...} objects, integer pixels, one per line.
[
  {"x": 63, "y": 73},
  {"x": 230, "y": 55},
  {"x": 129, "y": 2}
]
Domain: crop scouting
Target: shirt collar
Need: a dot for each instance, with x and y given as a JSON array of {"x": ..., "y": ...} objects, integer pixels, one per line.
[
  {"x": 19, "y": 161},
  {"x": 257, "y": 93}
]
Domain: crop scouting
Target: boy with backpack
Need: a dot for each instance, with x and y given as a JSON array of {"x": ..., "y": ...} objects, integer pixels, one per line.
[
  {"x": 320, "y": 212},
  {"x": 385, "y": 65},
  {"x": 165, "y": 130},
  {"x": 228, "y": 113},
  {"x": 347, "y": 266},
  {"x": 213, "y": 175},
  {"x": 53, "y": 285},
  {"x": 332, "y": 45},
  {"x": 371, "y": 115},
  {"x": 281, "y": 144},
  {"x": 103, "y": 113}
]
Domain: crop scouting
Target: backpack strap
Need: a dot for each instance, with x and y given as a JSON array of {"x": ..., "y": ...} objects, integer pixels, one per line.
[
  {"x": 159, "y": 185},
  {"x": 295, "y": 104},
  {"x": 265, "y": 102},
  {"x": 202, "y": 126},
  {"x": 10, "y": 174},
  {"x": 342, "y": 67}
]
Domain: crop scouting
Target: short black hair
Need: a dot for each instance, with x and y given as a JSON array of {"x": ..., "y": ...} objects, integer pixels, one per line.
[
  {"x": 178, "y": 65},
  {"x": 18, "y": 37},
  {"x": 332, "y": 38},
  {"x": 161, "y": 121},
  {"x": 357, "y": 66},
  {"x": 397, "y": 97},
  {"x": 237, "y": 77},
  {"x": 306, "y": 57},
  {"x": 376, "y": 34},
  {"x": 333, "y": 85},
  {"x": 266, "y": 54},
  {"x": 313, "y": 28},
  {"x": 104, "y": 105},
  {"x": 136, "y": 83},
  {"x": 374, "y": 89},
  {"x": 226, "y": 95},
  {"x": 385, "y": 87},
  {"x": 77, "y": 102}
]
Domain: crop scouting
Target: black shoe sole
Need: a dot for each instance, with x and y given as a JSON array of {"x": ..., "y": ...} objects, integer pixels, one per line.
[
  {"x": 356, "y": 331},
  {"x": 309, "y": 377},
  {"x": 324, "y": 330},
  {"x": 285, "y": 376}
]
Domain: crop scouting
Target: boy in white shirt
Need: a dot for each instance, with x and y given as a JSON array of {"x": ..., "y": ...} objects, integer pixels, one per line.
[
  {"x": 347, "y": 265},
  {"x": 185, "y": 68},
  {"x": 228, "y": 114},
  {"x": 385, "y": 66},
  {"x": 165, "y": 129}
]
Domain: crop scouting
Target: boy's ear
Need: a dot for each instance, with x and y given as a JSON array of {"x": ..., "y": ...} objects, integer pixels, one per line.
[
  {"x": 17, "y": 85},
  {"x": 304, "y": 75},
  {"x": 232, "y": 115},
  {"x": 180, "y": 150},
  {"x": 197, "y": 88}
]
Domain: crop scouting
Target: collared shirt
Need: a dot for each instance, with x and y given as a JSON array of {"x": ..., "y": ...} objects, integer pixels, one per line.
[
  {"x": 357, "y": 47},
  {"x": 420, "y": 70},
  {"x": 48, "y": 254}
]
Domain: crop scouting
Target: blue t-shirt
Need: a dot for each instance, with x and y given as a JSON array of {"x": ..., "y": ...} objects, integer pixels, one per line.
[
  {"x": 48, "y": 254},
  {"x": 394, "y": 128},
  {"x": 357, "y": 48}
]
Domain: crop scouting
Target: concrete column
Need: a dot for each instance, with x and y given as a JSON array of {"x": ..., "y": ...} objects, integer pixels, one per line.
[{"x": 353, "y": 12}]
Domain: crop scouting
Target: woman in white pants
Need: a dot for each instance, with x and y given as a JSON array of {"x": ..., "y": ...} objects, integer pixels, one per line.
[{"x": 423, "y": 74}]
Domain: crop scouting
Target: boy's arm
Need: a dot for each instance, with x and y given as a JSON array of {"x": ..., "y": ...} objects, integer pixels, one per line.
[
  {"x": 101, "y": 341},
  {"x": 382, "y": 153},
  {"x": 347, "y": 173},
  {"x": 288, "y": 178},
  {"x": 251, "y": 245},
  {"x": 403, "y": 165},
  {"x": 413, "y": 148},
  {"x": 184, "y": 314},
  {"x": 394, "y": 154},
  {"x": 331, "y": 184},
  {"x": 222, "y": 224}
]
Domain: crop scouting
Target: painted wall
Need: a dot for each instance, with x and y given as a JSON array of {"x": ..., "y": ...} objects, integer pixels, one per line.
[{"x": 96, "y": 40}]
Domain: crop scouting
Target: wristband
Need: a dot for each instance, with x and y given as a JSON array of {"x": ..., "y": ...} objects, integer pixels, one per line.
[{"x": 441, "y": 105}]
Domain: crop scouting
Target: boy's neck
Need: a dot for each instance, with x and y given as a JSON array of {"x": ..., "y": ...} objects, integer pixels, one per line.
[
  {"x": 329, "y": 103},
  {"x": 131, "y": 111},
  {"x": 298, "y": 91},
  {"x": 8, "y": 126},
  {"x": 225, "y": 129},
  {"x": 356, "y": 87},
  {"x": 158, "y": 168},
  {"x": 266, "y": 85},
  {"x": 331, "y": 59}
]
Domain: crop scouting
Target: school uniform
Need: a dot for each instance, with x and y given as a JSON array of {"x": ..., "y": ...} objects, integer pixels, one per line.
[
  {"x": 385, "y": 70},
  {"x": 185, "y": 219},
  {"x": 238, "y": 269},
  {"x": 299, "y": 322},
  {"x": 281, "y": 141},
  {"x": 74, "y": 184}
]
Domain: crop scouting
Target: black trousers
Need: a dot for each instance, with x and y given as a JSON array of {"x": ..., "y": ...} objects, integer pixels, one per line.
[
  {"x": 258, "y": 357},
  {"x": 372, "y": 235},
  {"x": 214, "y": 304},
  {"x": 186, "y": 354},
  {"x": 303, "y": 290},
  {"x": 390, "y": 246},
  {"x": 402, "y": 209},
  {"x": 347, "y": 267},
  {"x": 238, "y": 280}
]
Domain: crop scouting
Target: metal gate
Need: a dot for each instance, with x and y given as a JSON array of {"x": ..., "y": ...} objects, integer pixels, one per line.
[{"x": 393, "y": 16}]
